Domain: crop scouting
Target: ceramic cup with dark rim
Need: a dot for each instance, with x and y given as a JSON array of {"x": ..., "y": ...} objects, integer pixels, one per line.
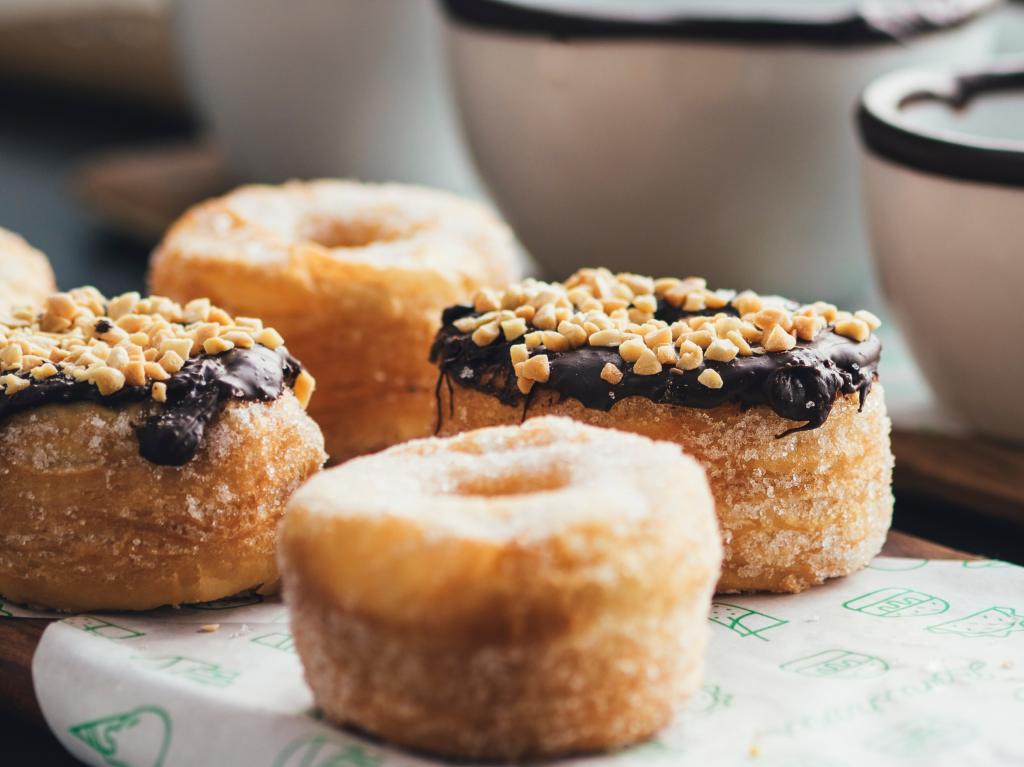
[
  {"x": 943, "y": 177},
  {"x": 668, "y": 137}
]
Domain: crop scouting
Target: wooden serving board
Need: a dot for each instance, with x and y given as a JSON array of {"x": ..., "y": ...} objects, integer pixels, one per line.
[{"x": 21, "y": 719}]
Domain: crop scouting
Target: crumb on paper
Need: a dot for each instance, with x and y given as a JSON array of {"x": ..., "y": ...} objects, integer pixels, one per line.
[
  {"x": 755, "y": 751},
  {"x": 209, "y": 628}
]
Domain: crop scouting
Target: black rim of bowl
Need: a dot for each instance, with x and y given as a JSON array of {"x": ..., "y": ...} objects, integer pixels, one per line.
[
  {"x": 859, "y": 23},
  {"x": 887, "y": 132}
]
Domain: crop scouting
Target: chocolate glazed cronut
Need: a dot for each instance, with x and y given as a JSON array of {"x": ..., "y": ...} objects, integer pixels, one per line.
[
  {"x": 780, "y": 403},
  {"x": 148, "y": 451}
]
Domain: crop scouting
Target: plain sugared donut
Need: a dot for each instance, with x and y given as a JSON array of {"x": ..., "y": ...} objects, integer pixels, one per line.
[
  {"x": 355, "y": 276},
  {"x": 25, "y": 274},
  {"x": 507, "y": 593}
]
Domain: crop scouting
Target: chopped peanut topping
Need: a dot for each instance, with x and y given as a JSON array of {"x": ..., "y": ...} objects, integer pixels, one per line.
[
  {"x": 597, "y": 308},
  {"x": 647, "y": 364},
  {"x": 611, "y": 373},
  {"x": 711, "y": 379},
  {"x": 853, "y": 328},
  {"x": 127, "y": 341},
  {"x": 305, "y": 384},
  {"x": 778, "y": 340}
]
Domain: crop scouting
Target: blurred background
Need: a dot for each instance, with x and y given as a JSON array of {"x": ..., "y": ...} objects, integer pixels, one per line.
[{"x": 603, "y": 141}]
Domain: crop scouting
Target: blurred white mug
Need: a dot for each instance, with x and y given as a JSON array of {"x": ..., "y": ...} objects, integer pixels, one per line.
[{"x": 305, "y": 88}]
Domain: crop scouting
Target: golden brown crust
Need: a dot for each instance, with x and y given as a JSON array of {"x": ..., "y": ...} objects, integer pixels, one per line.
[
  {"x": 793, "y": 512},
  {"x": 354, "y": 276},
  {"x": 509, "y": 593},
  {"x": 88, "y": 524},
  {"x": 25, "y": 274}
]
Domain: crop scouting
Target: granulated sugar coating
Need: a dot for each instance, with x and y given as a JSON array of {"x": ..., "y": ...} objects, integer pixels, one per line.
[
  {"x": 507, "y": 593},
  {"x": 793, "y": 511},
  {"x": 88, "y": 523}
]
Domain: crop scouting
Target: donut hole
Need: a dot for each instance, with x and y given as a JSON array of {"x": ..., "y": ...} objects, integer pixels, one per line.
[
  {"x": 350, "y": 232},
  {"x": 522, "y": 481}
]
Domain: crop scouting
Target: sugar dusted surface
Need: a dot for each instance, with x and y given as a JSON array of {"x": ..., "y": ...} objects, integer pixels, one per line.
[
  {"x": 505, "y": 483},
  {"x": 89, "y": 523},
  {"x": 793, "y": 511}
]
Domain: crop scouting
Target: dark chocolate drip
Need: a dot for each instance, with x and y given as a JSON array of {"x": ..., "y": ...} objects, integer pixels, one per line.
[
  {"x": 845, "y": 24},
  {"x": 173, "y": 432},
  {"x": 799, "y": 385}
]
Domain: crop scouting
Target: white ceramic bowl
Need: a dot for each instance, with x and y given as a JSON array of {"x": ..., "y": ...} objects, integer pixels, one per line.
[
  {"x": 324, "y": 88},
  {"x": 943, "y": 175},
  {"x": 647, "y": 135}
]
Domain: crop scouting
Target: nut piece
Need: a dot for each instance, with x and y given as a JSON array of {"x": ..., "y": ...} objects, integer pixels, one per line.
[
  {"x": 721, "y": 350},
  {"x": 609, "y": 337},
  {"x": 771, "y": 316},
  {"x": 537, "y": 368},
  {"x": 13, "y": 384},
  {"x": 554, "y": 341},
  {"x": 63, "y": 305},
  {"x": 872, "y": 321},
  {"x": 483, "y": 335},
  {"x": 514, "y": 328},
  {"x": 159, "y": 392},
  {"x": 217, "y": 345},
  {"x": 270, "y": 338},
  {"x": 667, "y": 354},
  {"x": 611, "y": 373},
  {"x": 778, "y": 340},
  {"x": 108, "y": 380},
  {"x": 519, "y": 353},
  {"x": 304, "y": 387},
  {"x": 691, "y": 356},
  {"x": 808, "y": 326},
  {"x": 44, "y": 371},
  {"x": 854, "y": 328},
  {"x": 747, "y": 302},
  {"x": 631, "y": 349},
  {"x": 171, "y": 362},
  {"x": 647, "y": 364},
  {"x": 711, "y": 379}
]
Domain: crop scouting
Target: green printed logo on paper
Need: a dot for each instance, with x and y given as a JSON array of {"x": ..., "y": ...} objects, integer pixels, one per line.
[
  {"x": 4, "y": 613},
  {"x": 897, "y": 602},
  {"x": 897, "y": 564},
  {"x": 277, "y": 641},
  {"x": 318, "y": 751},
  {"x": 994, "y": 623},
  {"x": 930, "y": 736},
  {"x": 198, "y": 671},
  {"x": 838, "y": 664},
  {"x": 102, "y": 627},
  {"x": 229, "y": 603},
  {"x": 984, "y": 564},
  {"x": 743, "y": 621},
  {"x": 136, "y": 738},
  {"x": 709, "y": 699}
]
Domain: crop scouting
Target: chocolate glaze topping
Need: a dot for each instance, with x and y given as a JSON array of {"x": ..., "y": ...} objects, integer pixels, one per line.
[
  {"x": 173, "y": 431},
  {"x": 799, "y": 385}
]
